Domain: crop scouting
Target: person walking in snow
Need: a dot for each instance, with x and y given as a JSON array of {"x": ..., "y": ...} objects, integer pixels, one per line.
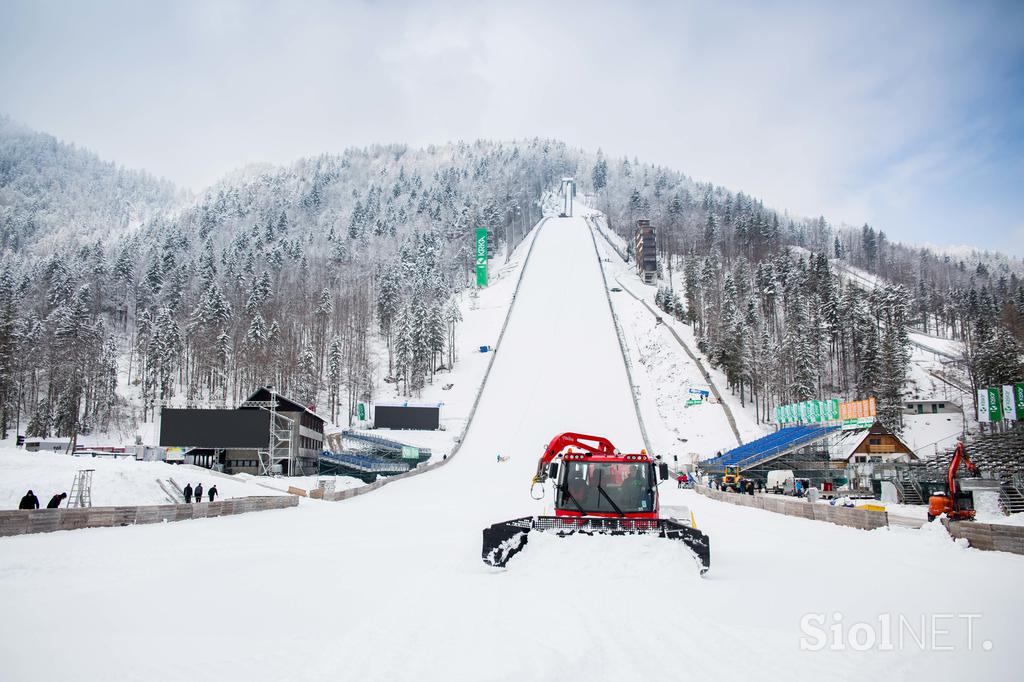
[
  {"x": 30, "y": 501},
  {"x": 188, "y": 493},
  {"x": 55, "y": 501},
  {"x": 212, "y": 493},
  {"x": 199, "y": 493},
  {"x": 679, "y": 481}
]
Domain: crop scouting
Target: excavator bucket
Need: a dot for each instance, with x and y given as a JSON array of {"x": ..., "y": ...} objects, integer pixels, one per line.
[{"x": 502, "y": 541}]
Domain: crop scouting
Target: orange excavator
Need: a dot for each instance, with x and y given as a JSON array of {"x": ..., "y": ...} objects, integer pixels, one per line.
[
  {"x": 958, "y": 505},
  {"x": 598, "y": 490}
]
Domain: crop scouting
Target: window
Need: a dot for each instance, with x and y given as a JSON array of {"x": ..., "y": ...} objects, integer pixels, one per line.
[
  {"x": 942, "y": 406},
  {"x": 594, "y": 487},
  {"x": 874, "y": 441}
]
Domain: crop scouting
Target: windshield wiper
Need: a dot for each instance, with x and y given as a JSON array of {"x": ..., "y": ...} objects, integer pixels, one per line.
[
  {"x": 565, "y": 491},
  {"x": 611, "y": 501}
]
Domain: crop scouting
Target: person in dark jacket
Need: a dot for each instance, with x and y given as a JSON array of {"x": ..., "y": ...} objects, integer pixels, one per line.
[
  {"x": 56, "y": 500},
  {"x": 30, "y": 501},
  {"x": 199, "y": 493},
  {"x": 212, "y": 493},
  {"x": 188, "y": 493}
]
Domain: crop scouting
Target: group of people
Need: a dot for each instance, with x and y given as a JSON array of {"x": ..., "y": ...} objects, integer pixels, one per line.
[
  {"x": 197, "y": 493},
  {"x": 30, "y": 501}
]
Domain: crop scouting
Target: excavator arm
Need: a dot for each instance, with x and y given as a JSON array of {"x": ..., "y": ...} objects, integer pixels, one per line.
[
  {"x": 960, "y": 456},
  {"x": 597, "y": 445}
]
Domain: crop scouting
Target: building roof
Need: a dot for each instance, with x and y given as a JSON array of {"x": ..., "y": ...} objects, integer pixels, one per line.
[
  {"x": 286, "y": 404},
  {"x": 850, "y": 440}
]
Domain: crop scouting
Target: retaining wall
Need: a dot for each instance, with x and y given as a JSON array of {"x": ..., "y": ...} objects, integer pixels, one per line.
[
  {"x": 20, "y": 522},
  {"x": 842, "y": 516},
  {"x": 989, "y": 536}
]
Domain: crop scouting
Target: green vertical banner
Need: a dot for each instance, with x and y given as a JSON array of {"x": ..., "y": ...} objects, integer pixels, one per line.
[
  {"x": 481, "y": 257},
  {"x": 983, "y": 415},
  {"x": 361, "y": 411},
  {"x": 1009, "y": 405},
  {"x": 995, "y": 405},
  {"x": 1018, "y": 399}
]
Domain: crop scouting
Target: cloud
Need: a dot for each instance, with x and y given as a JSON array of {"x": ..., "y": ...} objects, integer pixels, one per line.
[{"x": 894, "y": 114}]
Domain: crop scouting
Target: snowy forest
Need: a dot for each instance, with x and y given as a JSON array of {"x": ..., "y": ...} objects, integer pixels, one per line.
[
  {"x": 120, "y": 293},
  {"x": 281, "y": 276},
  {"x": 770, "y": 305}
]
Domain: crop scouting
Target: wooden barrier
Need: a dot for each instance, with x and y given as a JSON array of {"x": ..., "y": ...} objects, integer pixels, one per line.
[
  {"x": 841, "y": 516},
  {"x": 23, "y": 521},
  {"x": 989, "y": 536}
]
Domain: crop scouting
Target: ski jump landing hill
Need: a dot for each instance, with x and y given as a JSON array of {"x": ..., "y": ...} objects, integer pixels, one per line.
[{"x": 390, "y": 585}]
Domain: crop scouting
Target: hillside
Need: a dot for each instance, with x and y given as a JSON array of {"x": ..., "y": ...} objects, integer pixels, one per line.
[
  {"x": 55, "y": 196},
  {"x": 324, "y": 278},
  {"x": 339, "y": 275},
  {"x": 792, "y": 309}
]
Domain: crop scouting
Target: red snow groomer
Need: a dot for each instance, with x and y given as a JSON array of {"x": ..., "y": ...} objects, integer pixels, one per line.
[{"x": 597, "y": 490}]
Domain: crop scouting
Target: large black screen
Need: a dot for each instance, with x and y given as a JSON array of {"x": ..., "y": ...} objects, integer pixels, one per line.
[
  {"x": 215, "y": 428},
  {"x": 400, "y": 417}
]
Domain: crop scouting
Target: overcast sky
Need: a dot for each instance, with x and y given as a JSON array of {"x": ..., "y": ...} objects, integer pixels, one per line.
[{"x": 906, "y": 115}]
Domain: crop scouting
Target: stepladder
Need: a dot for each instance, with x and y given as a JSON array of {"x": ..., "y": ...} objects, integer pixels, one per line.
[{"x": 81, "y": 489}]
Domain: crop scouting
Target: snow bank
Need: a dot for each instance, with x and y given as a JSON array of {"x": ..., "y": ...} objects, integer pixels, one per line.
[{"x": 115, "y": 482}]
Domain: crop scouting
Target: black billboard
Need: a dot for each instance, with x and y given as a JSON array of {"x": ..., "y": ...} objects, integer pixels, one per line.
[
  {"x": 215, "y": 428},
  {"x": 406, "y": 417}
]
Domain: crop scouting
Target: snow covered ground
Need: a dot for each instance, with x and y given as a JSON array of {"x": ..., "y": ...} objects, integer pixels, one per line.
[
  {"x": 390, "y": 586},
  {"x": 947, "y": 348},
  {"x": 115, "y": 482}
]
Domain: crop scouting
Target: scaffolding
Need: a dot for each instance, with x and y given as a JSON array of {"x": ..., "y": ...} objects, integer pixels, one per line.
[{"x": 281, "y": 443}]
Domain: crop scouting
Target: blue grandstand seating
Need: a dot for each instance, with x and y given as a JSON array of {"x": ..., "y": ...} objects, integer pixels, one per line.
[
  {"x": 378, "y": 441},
  {"x": 365, "y": 463},
  {"x": 768, "y": 447}
]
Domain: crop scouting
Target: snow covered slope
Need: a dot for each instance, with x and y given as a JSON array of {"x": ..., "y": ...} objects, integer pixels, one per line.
[{"x": 390, "y": 586}]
